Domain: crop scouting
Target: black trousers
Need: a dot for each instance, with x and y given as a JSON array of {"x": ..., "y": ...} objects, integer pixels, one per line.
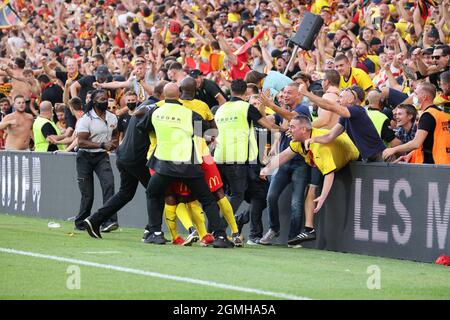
[
  {"x": 235, "y": 177},
  {"x": 87, "y": 164},
  {"x": 156, "y": 191},
  {"x": 130, "y": 177},
  {"x": 256, "y": 196}
]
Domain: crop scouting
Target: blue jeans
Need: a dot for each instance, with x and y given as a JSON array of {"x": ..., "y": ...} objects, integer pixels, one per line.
[{"x": 297, "y": 173}]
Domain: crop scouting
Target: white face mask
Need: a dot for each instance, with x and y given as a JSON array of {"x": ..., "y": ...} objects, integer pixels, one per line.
[{"x": 415, "y": 100}]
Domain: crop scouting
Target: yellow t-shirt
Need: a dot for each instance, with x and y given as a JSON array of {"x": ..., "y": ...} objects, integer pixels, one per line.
[
  {"x": 327, "y": 157},
  {"x": 317, "y": 6},
  {"x": 234, "y": 17},
  {"x": 283, "y": 19},
  {"x": 357, "y": 77}
]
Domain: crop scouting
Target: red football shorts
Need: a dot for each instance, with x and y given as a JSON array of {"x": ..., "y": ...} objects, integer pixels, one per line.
[{"x": 212, "y": 178}]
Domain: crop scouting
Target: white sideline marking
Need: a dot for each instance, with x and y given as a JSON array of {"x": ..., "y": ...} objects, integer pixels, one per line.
[
  {"x": 101, "y": 252},
  {"x": 156, "y": 275}
]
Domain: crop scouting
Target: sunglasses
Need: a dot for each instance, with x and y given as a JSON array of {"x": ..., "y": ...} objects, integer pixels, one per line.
[
  {"x": 436, "y": 57},
  {"x": 353, "y": 93}
]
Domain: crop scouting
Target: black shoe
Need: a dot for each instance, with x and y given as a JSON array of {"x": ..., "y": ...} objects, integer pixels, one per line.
[
  {"x": 79, "y": 228},
  {"x": 156, "y": 238},
  {"x": 92, "y": 229},
  {"x": 222, "y": 242},
  {"x": 242, "y": 219},
  {"x": 110, "y": 226},
  {"x": 304, "y": 236}
]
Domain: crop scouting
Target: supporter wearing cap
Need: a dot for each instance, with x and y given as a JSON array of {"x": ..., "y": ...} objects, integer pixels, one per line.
[
  {"x": 81, "y": 87},
  {"x": 137, "y": 83},
  {"x": 207, "y": 90},
  {"x": 376, "y": 46},
  {"x": 438, "y": 63}
]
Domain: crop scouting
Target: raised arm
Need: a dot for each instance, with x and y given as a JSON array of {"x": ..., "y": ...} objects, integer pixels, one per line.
[{"x": 329, "y": 105}]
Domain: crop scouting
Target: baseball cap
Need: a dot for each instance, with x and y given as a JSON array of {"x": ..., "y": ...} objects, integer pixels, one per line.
[
  {"x": 276, "y": 53},
  {"x": 195, "y": 73},
  {"x": 102, "y": 72},
  {"x": 188, "y": 86},
  {"x": 245, "y": 15},
  {"x": 375, "y": 41}
]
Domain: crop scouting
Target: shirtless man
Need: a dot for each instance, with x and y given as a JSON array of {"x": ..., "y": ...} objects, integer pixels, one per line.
[
  {"x": 17, "y": 126},
  {"x": 19, "y": 86},
  {"x": 327, "y": 119}
]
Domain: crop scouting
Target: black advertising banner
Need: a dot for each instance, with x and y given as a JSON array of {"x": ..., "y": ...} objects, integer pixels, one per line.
[{"x": 390, "y": 210}]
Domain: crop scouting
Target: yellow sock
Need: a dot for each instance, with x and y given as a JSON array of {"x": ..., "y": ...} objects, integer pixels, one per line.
[
  {"x": 171, "y": 221},
  {"x": 183, "y": 216},
  {"x": 198, "y": 218},
  {"x": 227, "y": 211}
]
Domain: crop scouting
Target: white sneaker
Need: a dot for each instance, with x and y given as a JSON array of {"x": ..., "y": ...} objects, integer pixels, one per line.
[{"x": 253, "y": 242}]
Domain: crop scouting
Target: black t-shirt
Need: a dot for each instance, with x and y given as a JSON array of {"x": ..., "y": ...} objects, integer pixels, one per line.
[
  {"x": 48, "y": 130},
  {"x": 208, "y": 92},
  {"x": 69, "y": 118},
  {"x": 428, "y": 123},
  {"x": 86, "y": 83},
  {"x": 169, "y": 168},
  {"x": 123, "y": 122},
  {"x": 52, "y": 93},
  {"x": 134, "y": 147},
  {"x": 387, "y": 134},
  {"x": 362, "y": 131},
  {"x": 62, "y": 76},
  {"x": 434, "y": 78}
]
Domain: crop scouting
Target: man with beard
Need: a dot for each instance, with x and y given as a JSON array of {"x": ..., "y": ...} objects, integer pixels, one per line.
[{"x": 17, "y": 126}]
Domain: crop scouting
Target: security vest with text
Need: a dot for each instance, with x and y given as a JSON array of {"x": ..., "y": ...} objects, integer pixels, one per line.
[
  {"x": 236, "y": 142},
  {"x": 175, "y": 134}
]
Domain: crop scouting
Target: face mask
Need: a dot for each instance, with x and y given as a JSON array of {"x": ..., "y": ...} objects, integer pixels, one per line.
[
  {"x": 102, "y": 106},
  {"x": 131, "y": 105},
  {"x": 415, "y": 100}
]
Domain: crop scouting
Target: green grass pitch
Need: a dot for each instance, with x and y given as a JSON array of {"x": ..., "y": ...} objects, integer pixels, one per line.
[{"x": 296, "y": 272}]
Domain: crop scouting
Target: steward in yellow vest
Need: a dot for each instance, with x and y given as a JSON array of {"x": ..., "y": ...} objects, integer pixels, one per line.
[
  {"x": 43, "y": 128},
  {"x": 236, "y": 143}
]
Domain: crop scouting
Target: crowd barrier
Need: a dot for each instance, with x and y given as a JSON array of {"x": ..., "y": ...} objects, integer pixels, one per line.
[{"x": 390, "y": 210}]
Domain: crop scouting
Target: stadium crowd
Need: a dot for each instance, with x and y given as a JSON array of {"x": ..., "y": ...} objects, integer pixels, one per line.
[{"x": 95, "y": 77}]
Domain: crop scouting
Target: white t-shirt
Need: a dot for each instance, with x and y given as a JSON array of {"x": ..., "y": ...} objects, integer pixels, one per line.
[{"x": 99, "y": 129}]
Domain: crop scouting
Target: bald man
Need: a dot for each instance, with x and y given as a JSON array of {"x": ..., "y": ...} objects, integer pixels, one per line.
[
  {"x": 45, "y": 130},
  {"x": 380, "y": 120}
]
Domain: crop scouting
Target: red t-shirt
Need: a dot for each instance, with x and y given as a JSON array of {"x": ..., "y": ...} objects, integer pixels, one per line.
[{"x": 239, "y": 70}]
